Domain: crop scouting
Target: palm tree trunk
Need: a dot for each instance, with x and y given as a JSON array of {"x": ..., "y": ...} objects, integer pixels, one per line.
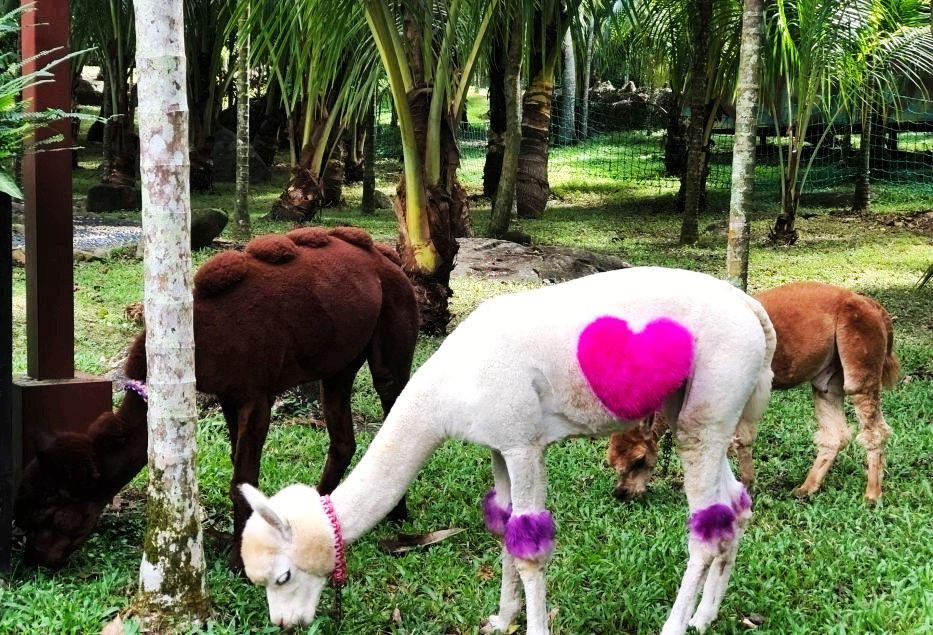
[
  {"x": 532, "y": 187},
  {"x": 861, "y": 197},
  {"x": 495, "y": 140},
  {"x": 587, "y": 72},
  {"x": 743, "y": 153},
  {"x": 784, "y": 231},
  {"x": 694, "y": 178},
  {"x": 505, "y": 197},
  {"x": 568, "y": 92},
  {"x": 172, "y": 584}
]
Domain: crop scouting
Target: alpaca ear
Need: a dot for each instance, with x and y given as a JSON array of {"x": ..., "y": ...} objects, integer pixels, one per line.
[{"x": 260, "y": 504}]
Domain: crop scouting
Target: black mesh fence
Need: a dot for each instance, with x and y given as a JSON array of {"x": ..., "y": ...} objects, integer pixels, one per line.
[{"x": 624, "y": 140}]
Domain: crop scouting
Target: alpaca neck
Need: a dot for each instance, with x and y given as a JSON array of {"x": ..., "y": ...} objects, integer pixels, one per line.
[
  {"x": 120, "y": 441},
  {"x": 402, "y": 446}
]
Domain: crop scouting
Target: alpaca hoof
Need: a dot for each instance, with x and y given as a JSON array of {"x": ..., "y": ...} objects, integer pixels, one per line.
[
  {"x": 494, "y": 624},
  {"x": 802, "y": 492},
  {"x": 872, "y": 497}
]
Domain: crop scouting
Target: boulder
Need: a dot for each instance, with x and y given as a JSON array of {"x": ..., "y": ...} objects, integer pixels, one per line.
[
  {"x": 110, "y": 197},
  {"x": 223, "y": 159},
  {"x": 206, "y": 225}
]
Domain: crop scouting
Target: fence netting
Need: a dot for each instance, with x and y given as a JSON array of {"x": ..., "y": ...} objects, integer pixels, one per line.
[{"x": 623, "y": 139}]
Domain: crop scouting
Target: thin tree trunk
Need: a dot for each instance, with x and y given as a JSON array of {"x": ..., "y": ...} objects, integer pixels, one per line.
[
  {"x": 505, "y": 197},
  {"x": 172, "y": 591},
  {"x": 784, "y": 230},
  {"x": 743, "y": 153},
  {"x": 587, "y": 72},
  {"x": 241, "y": 225},
  {"x": 694, "y": 177},
  {"x": 498, "y": 124},
  {"x": 369, "y": 162},
  {"x": 568, "y": 92},
  {"x": 861, "y": 198}
]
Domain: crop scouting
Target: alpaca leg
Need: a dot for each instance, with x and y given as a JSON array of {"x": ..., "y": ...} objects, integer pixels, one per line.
[
  {"x": 335, "y": 399},
  {"x": 496, "y": 509},
  {"x": 831, "y": 436},
  {"x": 873, "y": 437},
  {"x": 529, "y": 536},
  {"x": 745, "y": 436},
  {"x": 252, "y": 428},
  {"x": 713, "y": 496},
  {"x": 717, "y": 580}
]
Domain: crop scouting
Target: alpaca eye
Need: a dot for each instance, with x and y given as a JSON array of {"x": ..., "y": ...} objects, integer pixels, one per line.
[{"x": 285, "y": 577}]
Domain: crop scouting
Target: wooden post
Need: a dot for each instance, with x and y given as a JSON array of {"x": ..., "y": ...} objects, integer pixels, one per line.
[{"x": 50, "y": 398}]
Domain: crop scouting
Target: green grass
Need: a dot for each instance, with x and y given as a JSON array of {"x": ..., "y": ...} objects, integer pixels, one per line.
[{"x": 830, "y": 564}]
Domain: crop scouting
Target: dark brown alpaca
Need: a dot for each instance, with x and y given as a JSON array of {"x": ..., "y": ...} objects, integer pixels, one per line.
[
  {"x": 310, "y": 305},
  {"x": 839, "y": 341}
]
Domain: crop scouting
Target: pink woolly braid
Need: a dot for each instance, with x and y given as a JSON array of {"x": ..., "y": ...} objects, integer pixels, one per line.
[{"x": 339, "y": 575}]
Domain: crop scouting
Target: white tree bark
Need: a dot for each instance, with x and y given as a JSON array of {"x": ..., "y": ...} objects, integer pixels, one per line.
[
  {"x": 241, "y": 229},
  {"x": 172, "y": 588},
  {"x": 743, "y": 153}
]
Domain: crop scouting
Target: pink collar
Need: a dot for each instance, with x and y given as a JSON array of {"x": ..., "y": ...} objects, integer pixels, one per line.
[
  {"x": 340, "y": 568},
  {"x": 138, "y": 387}
]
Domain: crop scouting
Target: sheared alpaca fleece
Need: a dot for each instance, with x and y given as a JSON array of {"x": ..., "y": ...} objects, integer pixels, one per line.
[
  {"x": 313, "y": 304},
  {"x": 840, "y": 342},
  {"x": 528, "y": 369}
]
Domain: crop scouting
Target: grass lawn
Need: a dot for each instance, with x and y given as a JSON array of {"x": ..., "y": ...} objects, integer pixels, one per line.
[{"x": 829, "y": 564}]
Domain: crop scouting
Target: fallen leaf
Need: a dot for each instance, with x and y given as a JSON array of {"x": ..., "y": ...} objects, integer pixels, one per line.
[{"x": 406, "y": 542}]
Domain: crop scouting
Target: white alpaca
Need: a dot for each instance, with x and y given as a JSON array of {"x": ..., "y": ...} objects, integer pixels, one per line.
[{"x": 582, "y": 358}]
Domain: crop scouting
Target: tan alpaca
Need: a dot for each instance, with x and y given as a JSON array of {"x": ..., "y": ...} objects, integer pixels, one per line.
[{"x": 839, "y": 341}]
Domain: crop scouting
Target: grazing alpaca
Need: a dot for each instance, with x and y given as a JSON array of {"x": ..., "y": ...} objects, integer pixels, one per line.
[
  {"x": 311, "y": 305},
  {"x": 839, "y": 341},
  {"x": 582, "y": 358}
]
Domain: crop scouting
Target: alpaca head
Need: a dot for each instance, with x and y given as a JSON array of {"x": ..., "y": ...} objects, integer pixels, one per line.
[
  {"x": 633, "y": 454},
  {"x": 290, "y": 547},
  {"x": 59, "y": 499}
]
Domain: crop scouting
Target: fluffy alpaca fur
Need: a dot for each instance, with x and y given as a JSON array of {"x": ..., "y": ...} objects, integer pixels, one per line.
[
  {"x": 510, "y": 377},
  {"x": 839, "y": 341},
  {"x": 310, "y": 305}
]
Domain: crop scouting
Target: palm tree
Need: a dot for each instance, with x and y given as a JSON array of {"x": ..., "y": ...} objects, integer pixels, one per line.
[
  {"x": 825, "y": 54},
  {"x": 550, "y": 22},
  {"x": 108, "y": 27}
]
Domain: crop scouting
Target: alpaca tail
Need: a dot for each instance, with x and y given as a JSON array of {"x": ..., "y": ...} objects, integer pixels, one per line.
[
  {"x": 758, "y": 401},
  {"x": 892, "y": 366}
]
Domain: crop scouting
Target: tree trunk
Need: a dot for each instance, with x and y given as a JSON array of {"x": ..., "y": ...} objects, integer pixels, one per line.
[
  {"x": 241, "y": 221},
  {"x": 743, "y": 153},
  {"x": 447, "y": 218},
  {"x": 266, "y": 140},
  {"x": 861, "y": 198},
  {"x": 172, "y": 591},
  {"x": 532, "y": 187},
  {"x": 694, "y": 178},
  {"x": 587, "y": 72},
  {"x": 568, "y": 92},
  {"x": 784, "y": 231},
  {"x": 369, "y": 162},
  {"x": 505, "y": 197},
  {"x": 495, "y": 140}
]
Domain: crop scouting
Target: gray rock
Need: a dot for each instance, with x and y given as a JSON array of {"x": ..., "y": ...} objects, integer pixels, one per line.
[
  {"x": 223, "y": 159},
  {"x": 110, "y": 197}
]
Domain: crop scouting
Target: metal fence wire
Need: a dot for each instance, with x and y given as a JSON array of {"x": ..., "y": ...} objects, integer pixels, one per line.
[{"x": 624, "y": 140}]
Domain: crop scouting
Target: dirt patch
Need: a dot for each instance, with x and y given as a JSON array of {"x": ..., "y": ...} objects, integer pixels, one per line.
[{"x": 505, "y": 260}]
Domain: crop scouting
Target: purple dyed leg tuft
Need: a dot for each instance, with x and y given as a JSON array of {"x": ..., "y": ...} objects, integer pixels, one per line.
[
  {"x": 530, "y": 536},
  {"x": 743, "y": 502},
  {"x": 716, "y": 522},
  {"x": 494, "y": 514}
]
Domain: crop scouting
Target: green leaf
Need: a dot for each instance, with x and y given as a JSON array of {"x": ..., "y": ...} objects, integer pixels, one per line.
[{"x": 8, "y": 185}]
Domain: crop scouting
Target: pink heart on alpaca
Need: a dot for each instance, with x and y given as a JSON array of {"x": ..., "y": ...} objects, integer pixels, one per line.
[{"x": 633, "y": 373}]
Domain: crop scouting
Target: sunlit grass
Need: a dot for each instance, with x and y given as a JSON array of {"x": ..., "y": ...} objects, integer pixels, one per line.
[{"x": 830, "y": 564}]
